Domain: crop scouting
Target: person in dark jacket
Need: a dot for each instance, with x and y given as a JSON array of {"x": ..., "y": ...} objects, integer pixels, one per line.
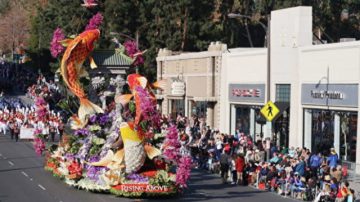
[{"x": 224, "y": 165}]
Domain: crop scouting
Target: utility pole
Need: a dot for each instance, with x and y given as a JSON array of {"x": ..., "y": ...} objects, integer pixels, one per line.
[{"x": 268, "y": 80}]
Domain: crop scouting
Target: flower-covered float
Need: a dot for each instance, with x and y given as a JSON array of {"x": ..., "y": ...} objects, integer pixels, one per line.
[{"x": 129, "y": 151}]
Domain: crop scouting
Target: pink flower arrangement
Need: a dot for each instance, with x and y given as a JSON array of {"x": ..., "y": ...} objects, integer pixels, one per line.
[
  {"x": 183, "y": 171},
  {"x": 39, "y": 145},
  {"x": 37, "y": 131},
  {"x": 95, "y": 22},
  {"x": 55, "y": 47},
  {"x": 41, "y": 107},
  {"x": 91, "y": 1},
  {"x": 172, "y": 144},
  {"x": 131, "y": 50},
  {"x": 172, "y": 152},
  {"x": 40, "y": 101}
]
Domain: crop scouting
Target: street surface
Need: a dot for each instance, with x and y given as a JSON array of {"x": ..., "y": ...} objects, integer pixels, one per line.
[{"x": 22, "y": 178}]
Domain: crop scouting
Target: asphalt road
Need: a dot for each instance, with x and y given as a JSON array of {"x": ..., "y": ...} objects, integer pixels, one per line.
[{"x": 22, "y": 178}]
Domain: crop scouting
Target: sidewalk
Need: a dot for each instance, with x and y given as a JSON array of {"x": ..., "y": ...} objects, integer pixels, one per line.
[{"x": 354, "y": 181}]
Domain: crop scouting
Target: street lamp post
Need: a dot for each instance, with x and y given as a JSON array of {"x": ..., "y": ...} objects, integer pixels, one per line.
[{"x": 268, "y": 69}]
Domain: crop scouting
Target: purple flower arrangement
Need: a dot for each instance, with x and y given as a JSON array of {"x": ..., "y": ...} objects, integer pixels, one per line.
[
  {"x": 95, "y": 22},
  {"x": 93, "y": 172},
  {"x": 148, "y": 107},
  {"x": 82, "y": 131},
  {"x": 69, "y": 157},
  {"x": 104, "y": 119},
  {"x": 84, "y": 149},
  {"x": 93, "y": 119},
  {"x": 138, "y": 179},
  {"x": 131, "y": 50},
  {"x": 100, "y": 119},
  {"x": 55, "y": 46},
  {"x": 172, "y": 144}
]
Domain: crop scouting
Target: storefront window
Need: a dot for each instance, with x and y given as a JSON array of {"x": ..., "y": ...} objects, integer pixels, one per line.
[
  {"x": 322, "y": 130},
  {"x": 348, "y": 127},
  {"x": 242, "y": 122},
  {"x": 325, "y": 136},
  {"x": 199, "y": 109},
  {"x": 283, "y": 92},
  {"x": 177, "y": 107}
]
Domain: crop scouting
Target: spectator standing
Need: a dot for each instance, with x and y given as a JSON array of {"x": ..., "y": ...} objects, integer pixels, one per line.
[
  {"x": 333, "y": 158},
  {"x": 240, "y": 164},
  {"x": 315, "y": 162},
  {"x": 233, "y": 169},
  {"x": 224, "y": 165}
]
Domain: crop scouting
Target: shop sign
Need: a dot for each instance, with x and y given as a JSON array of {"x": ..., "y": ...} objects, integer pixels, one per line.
[
  {"x": 247, "y": 93},
  {"x": 323, "y": 94},
  {"x": 178, "y": 88},
  {"x": 330, "y": 95}
]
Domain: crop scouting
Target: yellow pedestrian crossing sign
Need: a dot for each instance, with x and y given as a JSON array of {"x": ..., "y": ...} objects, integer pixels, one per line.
[{"x": 269, "y": 111}]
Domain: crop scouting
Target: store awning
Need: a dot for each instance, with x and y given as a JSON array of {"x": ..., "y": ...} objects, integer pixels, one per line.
[{"x": 283, "y": 106}]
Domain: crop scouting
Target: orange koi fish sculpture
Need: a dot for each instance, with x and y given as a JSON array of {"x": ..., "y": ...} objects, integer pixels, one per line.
[
  {"x": 71, "y": 69},
  {"x": 135, "y": 81}
]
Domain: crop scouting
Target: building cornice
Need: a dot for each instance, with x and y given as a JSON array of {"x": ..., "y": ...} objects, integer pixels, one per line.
[{"x": 186, "y": 56}]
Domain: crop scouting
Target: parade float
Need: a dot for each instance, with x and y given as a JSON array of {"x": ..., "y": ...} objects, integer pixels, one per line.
[{"x": 129, "y": 151}]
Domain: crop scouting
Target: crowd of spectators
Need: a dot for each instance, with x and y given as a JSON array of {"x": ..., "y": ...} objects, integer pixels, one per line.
[
  {"x": 15, "y": 115},
  {"x": 292, "y": 172},
  {"x": 42, "y": 88},
  {"x": 11, "y": 73}
]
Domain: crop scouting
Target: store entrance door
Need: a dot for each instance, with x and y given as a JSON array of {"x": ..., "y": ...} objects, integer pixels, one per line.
[
  {"x": 281, "y": 125},
  {"x": 177, "y": 108}
]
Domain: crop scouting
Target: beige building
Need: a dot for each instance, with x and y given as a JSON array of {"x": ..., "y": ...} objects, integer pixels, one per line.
[{"x": 193, "y": 83}]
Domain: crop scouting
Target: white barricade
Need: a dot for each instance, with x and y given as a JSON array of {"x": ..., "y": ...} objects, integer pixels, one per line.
[{"x": 27, "y": 133}]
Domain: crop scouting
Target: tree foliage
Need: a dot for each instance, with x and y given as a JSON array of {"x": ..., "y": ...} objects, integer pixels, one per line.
[{"x": 184, "y": 25}]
